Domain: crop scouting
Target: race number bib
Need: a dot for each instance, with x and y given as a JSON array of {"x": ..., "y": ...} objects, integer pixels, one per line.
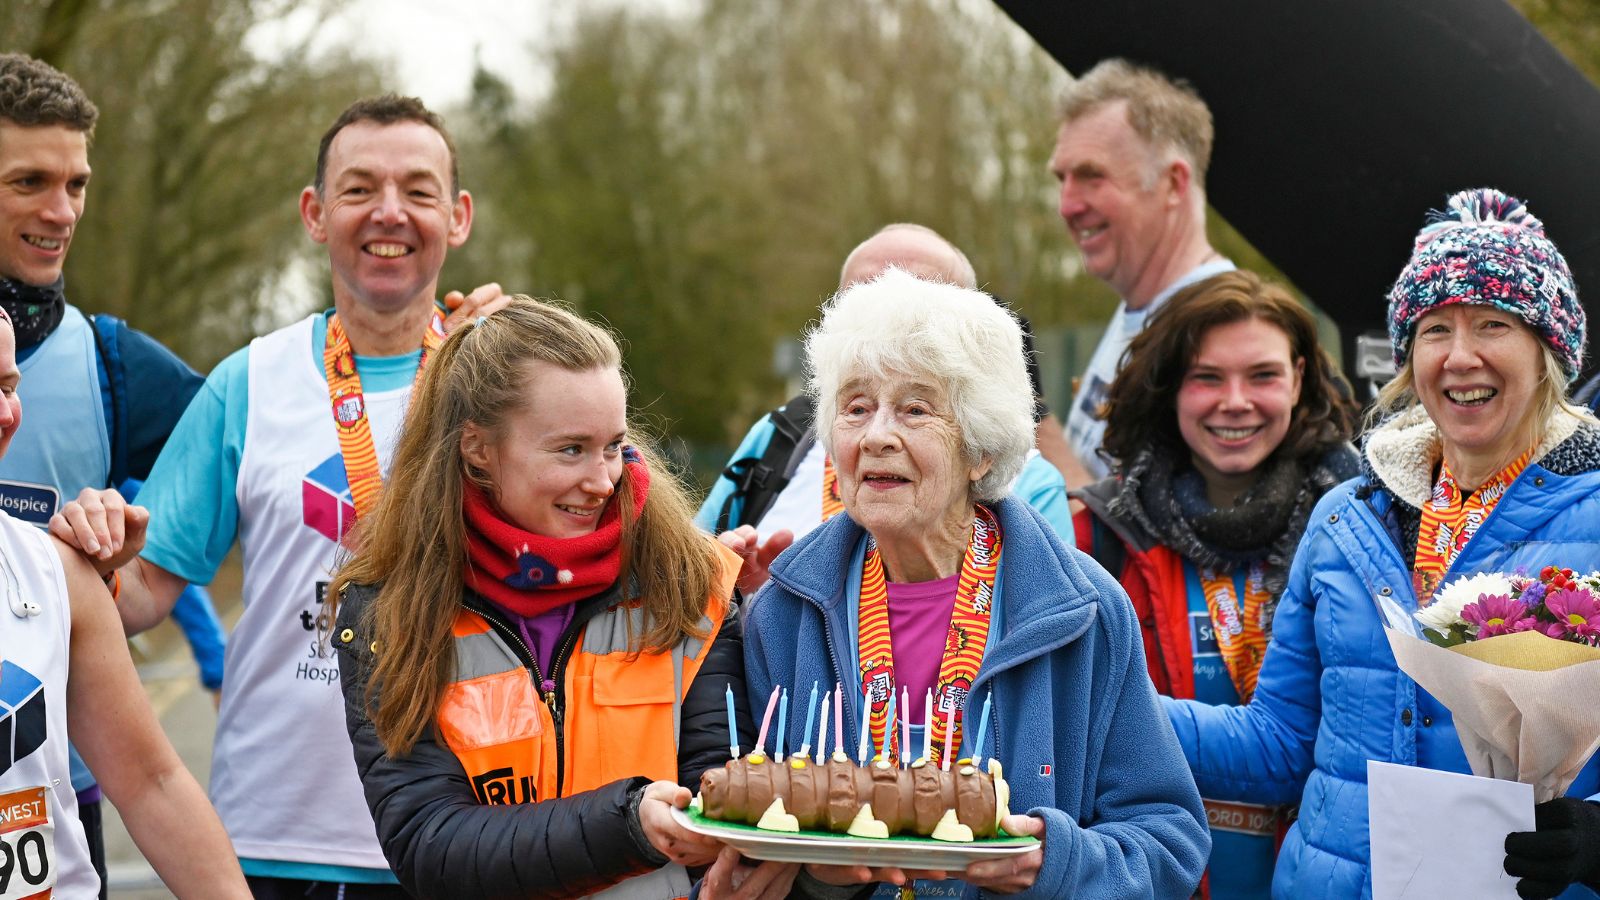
[{"x": 27, "y": 845}]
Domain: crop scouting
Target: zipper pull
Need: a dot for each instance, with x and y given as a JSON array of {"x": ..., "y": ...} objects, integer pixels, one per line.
[{"x": 549, "y": 689}]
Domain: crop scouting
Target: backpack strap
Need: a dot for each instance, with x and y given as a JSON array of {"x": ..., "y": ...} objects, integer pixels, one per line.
[
  {"x": 1106, "y": 548},
  {"x": 758, "y": 480},
  {"x": 114, "y": 389}
]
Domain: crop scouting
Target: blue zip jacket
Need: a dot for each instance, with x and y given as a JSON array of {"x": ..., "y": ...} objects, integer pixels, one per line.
[
  {"x": 1075, "y": 720},
  {"x": 1330, "y": 696}
]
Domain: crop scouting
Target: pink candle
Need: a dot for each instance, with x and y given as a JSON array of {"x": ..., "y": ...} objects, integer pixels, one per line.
[
  {"x": 772, "y": 703},
  {"x": 927, "y": 726},
  {"x": 949, "y": 728},
  {"x": 838, "y": 717}
]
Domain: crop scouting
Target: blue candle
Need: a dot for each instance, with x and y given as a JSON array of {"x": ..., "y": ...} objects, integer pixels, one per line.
[
  {"x": 811, "y": 713},
  {"x": 983, "y": 725},
  {"x": 733, "y": 730},
  {"x": 783, "y": 723},
  {"x": 888, "y": 728}
]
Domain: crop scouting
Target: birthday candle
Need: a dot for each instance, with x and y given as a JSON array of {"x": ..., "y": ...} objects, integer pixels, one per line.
[
  {"x": 905, "y": 727},
  {"x": 811, "y": 712},
  {"x": 888, "y": 726},
  {"x": 733, "y": 730},
  {"x": 766, "y": 719},
  {"x": 783, "y": 724},
  {"x": 838, "y": 717},
  {"x": 866, "y": 729},
  {"x": 927, "y": 726},
  {"x": 822, "y": 730},
  {"x": 983, "y": 725},
  {"x": 949, "y": 727}
]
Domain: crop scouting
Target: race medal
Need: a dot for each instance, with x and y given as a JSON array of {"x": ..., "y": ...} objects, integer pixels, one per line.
[
  {"x": 1450, "y": 518},
  {"x": 1240, "y": 628},
  {"x": 350, "y": 409},
  {"x": 964, "y": 641}
]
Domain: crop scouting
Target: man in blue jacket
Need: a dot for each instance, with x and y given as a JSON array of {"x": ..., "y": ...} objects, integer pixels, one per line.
[{"x": 101, "y": 397}]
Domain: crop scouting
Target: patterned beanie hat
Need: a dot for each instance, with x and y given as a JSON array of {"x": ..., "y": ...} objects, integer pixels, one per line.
[{"x": 1485, "y": 248}]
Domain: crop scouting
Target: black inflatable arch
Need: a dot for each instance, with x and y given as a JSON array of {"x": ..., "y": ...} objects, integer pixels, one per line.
[{"x": 1339, "y": 124}]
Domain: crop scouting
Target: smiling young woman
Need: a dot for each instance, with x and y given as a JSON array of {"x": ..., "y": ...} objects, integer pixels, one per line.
[
  {"x": 1226, "y": 427},
  {"x": 535, "y": 641}
]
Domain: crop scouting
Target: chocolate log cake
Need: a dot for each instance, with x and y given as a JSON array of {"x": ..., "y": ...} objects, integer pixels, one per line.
[{"x": 839, "y": 796}]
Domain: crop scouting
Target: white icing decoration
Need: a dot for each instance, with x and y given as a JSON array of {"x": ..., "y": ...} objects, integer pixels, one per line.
[
  {"x": 951, "y": 830},
  {"x": 775, "y": 819},
  {"x": 1002, "y": 792},
  {"x": 865, "y": 825}
]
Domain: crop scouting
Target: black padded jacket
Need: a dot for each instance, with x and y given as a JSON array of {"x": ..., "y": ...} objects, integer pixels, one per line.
[{"x": 441, "y": 842}]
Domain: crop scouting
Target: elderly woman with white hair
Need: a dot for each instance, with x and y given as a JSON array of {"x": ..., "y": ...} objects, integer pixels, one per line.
[{"x": 935, "y": 580}]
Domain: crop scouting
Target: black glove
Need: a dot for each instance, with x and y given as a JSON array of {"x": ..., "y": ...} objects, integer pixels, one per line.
[{"x": 1564, "y": 849}]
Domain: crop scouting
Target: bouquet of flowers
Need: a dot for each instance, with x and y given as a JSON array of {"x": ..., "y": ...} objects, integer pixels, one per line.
[
  {"x": 1515, "y": 659},
  {"x": 1558, "y": 604}
]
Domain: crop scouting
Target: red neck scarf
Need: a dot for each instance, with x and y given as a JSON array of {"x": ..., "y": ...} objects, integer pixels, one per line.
[{"x": 530, "y": 574}]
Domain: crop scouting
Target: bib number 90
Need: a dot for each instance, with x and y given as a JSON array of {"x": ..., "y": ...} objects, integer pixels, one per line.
[{"x": 27, "y": 845}]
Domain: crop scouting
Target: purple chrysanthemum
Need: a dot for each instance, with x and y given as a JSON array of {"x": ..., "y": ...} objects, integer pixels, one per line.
[
  {"x": 1495, "y": 614},
  {"x": 1576, "y": 612}
]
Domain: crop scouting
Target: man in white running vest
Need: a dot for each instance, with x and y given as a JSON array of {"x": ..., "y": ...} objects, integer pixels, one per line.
[
  {"x": 64, "y": 666},
  {"x": 1131, "y": 157},
  {"x": 282, "y": 449}
]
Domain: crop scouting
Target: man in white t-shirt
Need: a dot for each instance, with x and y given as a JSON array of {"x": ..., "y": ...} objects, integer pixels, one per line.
[
  {"x": 1131, "y": 157},
  {"x": 282, "y": 449}
]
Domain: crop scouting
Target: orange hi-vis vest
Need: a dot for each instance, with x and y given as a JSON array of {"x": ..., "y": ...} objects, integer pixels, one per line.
[{"x": 617, "y": 715}]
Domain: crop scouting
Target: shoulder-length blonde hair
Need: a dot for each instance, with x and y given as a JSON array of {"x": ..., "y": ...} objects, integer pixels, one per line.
[{"x": 413, "y": 545}]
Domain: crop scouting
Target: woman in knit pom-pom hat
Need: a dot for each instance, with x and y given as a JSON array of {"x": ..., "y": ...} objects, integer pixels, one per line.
[{"x": 1478, "y": 453}]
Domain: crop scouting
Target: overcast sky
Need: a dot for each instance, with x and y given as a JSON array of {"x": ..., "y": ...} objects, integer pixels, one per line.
[{"x": 431, "y": 45}]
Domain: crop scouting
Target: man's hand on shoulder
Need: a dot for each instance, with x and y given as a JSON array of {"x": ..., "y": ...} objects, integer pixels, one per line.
[
  {"x": 485, "y": 300},
  {"x": 109, "y": 530}
]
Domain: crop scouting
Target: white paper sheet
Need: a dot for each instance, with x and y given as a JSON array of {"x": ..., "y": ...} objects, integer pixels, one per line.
[{"x": 1442, "y": 835}]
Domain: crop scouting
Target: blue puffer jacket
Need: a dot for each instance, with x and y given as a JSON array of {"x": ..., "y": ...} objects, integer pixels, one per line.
[
  {"x": 1330, "y": 696},
  {"x": 1075, "y": 720}
]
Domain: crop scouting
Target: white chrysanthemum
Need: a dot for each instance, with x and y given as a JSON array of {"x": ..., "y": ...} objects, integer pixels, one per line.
[{"x": 1445, "y": 610}]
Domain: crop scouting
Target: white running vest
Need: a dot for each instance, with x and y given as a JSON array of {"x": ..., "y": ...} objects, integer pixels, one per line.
[
  {"x": 283, "y": 777},
  {"x": 44, "y": 842}
]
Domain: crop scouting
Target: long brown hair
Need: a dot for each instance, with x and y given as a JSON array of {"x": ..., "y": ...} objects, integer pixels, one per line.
[
  {"x": 413, "y": 545},
  {"x": 1141, "y": 408}
]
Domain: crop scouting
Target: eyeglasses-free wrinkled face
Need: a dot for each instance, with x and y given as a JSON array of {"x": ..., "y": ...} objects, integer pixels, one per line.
[{"x": 897, "y": 449}]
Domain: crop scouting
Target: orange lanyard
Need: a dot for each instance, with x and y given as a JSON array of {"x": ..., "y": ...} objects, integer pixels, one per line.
[
  {"x": 963, "y": 648},
  {"x": 1240, "y": 629},
  {"x": 350, "y": 409},
  {"x": 831, "y": 504},
  {"x": 1449, "y": 520}
]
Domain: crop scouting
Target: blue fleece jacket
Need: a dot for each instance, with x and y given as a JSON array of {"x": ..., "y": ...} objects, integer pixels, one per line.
[
  {"x": 1330, "y": 696},
  {"x": 1075, "y": 720}
]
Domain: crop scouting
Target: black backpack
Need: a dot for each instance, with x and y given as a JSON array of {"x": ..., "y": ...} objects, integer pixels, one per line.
[{"x": 758, "y": 480}]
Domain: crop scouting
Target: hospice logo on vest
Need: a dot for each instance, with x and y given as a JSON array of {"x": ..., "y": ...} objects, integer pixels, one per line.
[
  {"x": 22, "y": 714},
  {"x": 32, "y": 503},
  {"x": 326, "y": 502}
]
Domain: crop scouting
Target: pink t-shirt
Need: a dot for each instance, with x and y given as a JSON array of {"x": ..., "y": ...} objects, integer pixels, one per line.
[{"x": 919, "y": 623}]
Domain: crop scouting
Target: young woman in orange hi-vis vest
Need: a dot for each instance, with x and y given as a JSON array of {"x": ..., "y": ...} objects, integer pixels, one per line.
[{"x": 535, "y": 641}]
